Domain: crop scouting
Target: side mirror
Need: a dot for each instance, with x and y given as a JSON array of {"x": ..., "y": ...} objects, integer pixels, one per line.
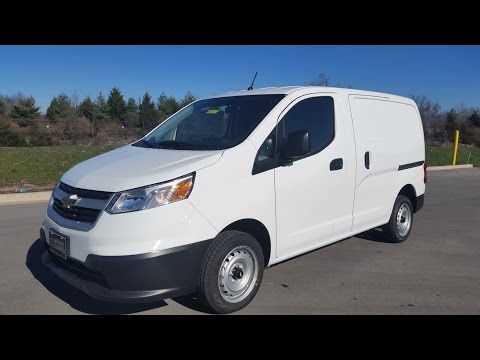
[{"x": 297, "y": 145}]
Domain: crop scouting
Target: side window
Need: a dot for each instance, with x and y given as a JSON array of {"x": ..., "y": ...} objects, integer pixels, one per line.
[
  {"x": 312, "y": 120},
  {"x": 315, "y": 116}
]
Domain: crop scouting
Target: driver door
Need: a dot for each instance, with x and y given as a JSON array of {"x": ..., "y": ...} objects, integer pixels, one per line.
[{"x": 306, "y": 187}]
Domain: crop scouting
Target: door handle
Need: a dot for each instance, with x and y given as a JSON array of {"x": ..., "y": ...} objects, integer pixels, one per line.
[
  {"x": 336, "y": 164},
  {"x": 367, "y": 159}
]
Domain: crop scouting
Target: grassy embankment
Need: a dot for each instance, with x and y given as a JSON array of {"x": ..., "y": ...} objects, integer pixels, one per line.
[
  {"x": 442, "y": 155},
  {"x": 39, "y": 168}
]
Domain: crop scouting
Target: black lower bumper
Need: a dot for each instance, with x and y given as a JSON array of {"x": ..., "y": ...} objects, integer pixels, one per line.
[{"x": 136, "y": 278}]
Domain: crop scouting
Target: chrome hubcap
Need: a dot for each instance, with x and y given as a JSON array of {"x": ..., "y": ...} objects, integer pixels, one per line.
[
  {"x": 404, "y": 220},
  {"x": 238, "y": 274}
]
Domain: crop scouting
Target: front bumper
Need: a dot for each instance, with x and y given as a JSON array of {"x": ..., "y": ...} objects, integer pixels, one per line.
[{"x": 135, "y": 278}]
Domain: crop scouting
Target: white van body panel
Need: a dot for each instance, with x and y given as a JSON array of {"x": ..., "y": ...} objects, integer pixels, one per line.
[
  {"x": 306, "y": 192},
  {"x": 228, "y": 192},
  {"x": 392, "y": 134},
  {"x": 131, "y": 167},
  {"x": 139, "y": 232},
  {"x": 345, "y": 197}
]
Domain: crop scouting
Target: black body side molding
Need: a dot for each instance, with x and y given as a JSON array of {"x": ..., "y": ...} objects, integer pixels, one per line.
[{"x": 411, "y": 165}]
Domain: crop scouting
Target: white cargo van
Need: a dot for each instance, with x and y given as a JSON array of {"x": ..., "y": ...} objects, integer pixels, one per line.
[{"x": 232, "y": 184}]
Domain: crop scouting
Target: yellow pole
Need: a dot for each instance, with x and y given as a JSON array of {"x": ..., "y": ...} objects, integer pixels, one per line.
[{"x": 455, "y": 147}]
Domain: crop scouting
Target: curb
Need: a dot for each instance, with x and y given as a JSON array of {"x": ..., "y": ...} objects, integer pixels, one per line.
[
  {"x": 449, "y": 167},
  {"x": 24, "y": 198}
]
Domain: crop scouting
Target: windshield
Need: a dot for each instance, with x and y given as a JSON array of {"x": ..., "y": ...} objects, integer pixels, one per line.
[{"x": 212, "y": 124}]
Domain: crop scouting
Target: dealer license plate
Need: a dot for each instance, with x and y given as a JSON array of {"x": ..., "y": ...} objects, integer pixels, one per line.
[{"x": 59, "y": 244}]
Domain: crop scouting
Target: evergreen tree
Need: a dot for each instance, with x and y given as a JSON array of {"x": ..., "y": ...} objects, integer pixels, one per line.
[
  {"x": 53, "y": 109},
  {"x": 187, "y": 99},
  {"x": 147, "y": 113},
  {"x": 25, "y": 111},
  {"x": 60, "y": 107},
  {"x": 131, "y": 114},
  {"x": 3, "y": 106},
  {"x": 465, "y": 134},
  {"x": 101, "y": 108},
  {"x": 87, "y": 108},
  {"x": 116, "y": 105},
  {"x": 132, "y": 105},
  {"x": 475, "y": 118},
  {"x": 451, "y": 124},
  {"x": 167, "y": 105}
]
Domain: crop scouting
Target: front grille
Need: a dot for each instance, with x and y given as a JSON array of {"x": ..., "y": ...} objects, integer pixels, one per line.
[
  {"x": 75, "y": 212},
  {"x": 91, "y": 209},
  {"x": 80, "y": 270}
]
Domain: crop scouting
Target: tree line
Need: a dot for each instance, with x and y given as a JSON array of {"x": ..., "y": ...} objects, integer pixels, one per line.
[
  {"x": 439, "y": 125},
  {"x": 68, "y": 120},
  {"x": 112, "y": 119}
]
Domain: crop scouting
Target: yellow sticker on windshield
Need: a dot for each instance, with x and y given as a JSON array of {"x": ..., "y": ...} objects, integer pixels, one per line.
[{"x": 213, "y": 111}]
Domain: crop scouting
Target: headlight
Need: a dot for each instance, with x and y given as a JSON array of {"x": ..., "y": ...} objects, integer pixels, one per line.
[{"x": 151, "y": 196}]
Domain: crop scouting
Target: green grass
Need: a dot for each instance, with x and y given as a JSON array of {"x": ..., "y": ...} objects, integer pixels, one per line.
[
  {"x": 42, "y": 166},
  {"x": 442, "y": 155}
]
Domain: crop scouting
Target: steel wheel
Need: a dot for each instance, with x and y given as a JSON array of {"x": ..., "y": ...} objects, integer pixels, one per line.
[
  {"x": 404, "y": 220},
  {"x": 231, "y": 272},
  {"x": 238, "y": 274},
  {"x": 400, "y": 224}
]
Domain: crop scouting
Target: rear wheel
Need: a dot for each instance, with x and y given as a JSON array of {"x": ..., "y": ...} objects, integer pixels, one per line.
[
  {"x": 231, "y": 272},
  {"x": 400, "y": 224}
]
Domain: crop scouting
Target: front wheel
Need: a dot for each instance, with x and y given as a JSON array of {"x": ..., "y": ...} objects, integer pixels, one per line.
[
  {"x": 400, "y": 224},
  {"x": 231, "y": 273}
]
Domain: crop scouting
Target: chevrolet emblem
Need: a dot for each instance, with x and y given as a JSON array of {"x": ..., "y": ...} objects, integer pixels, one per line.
[{"x": 69, "y": 201}]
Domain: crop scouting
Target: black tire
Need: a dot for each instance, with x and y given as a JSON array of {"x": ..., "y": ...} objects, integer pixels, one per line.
[
  {"x": 391, "y": 231},
  {"x": 216, "y": 255}
]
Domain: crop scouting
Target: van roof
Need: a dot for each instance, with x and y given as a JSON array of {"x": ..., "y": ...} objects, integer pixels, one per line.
[
  {"x": 262, "y": 91},
  {"x": 291, "y": 89}
]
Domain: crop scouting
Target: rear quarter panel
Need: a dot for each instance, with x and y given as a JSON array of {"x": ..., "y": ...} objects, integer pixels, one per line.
[{"x": 390, "y": 129}]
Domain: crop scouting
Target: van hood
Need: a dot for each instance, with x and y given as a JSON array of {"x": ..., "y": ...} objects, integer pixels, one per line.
[{"x": 131, "y": 167}]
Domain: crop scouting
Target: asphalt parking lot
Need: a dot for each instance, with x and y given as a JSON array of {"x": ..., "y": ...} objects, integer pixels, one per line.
[{"x": 436, "y": 271}]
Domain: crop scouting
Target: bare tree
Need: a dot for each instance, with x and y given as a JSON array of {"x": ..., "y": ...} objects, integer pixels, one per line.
[
  {"x": 433, "y": 118},
  {"x": 11, "y": 100},
  {"x": 321, "y": 80},
  {"x": 75, "y": 99}
]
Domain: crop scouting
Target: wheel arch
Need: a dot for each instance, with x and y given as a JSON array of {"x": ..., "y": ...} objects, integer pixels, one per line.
[
  {"x": 409, "y": 191},
  {"x": 258, "y": 231}
]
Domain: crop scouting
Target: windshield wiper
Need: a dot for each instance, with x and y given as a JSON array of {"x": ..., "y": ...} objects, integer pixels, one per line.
[{"x": 177, "y": 145}]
